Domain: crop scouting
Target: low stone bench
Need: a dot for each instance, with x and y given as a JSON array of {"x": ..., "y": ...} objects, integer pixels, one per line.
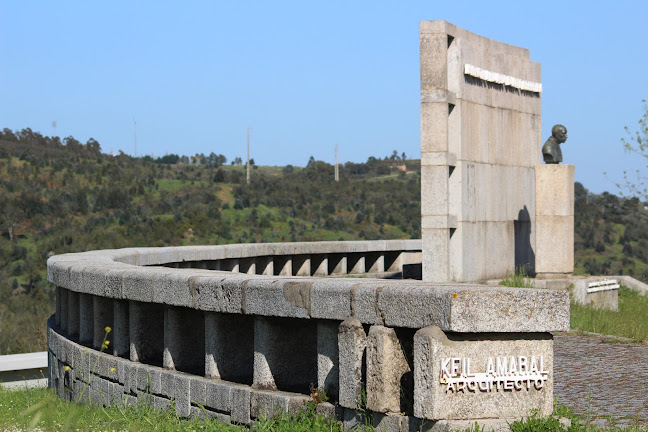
[{"x": 237, "y": 331}]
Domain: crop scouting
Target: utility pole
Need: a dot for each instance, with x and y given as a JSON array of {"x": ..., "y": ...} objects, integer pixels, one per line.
[
  {"x": 53, "y": 128},
  {"x": 135, "y": 136},
  {"x": 337, "y": 164},
  {"x": 248, "y": 156}
]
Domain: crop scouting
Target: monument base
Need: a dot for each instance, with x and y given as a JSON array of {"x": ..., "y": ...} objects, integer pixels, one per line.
[{"x": 554, "y": 257}]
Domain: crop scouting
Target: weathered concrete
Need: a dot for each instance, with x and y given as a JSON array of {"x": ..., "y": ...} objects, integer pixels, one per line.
[
  {"x": 352, "y": 342},
  {"x": 386, "y": 365},
  {"x": 479, "y": 142}
]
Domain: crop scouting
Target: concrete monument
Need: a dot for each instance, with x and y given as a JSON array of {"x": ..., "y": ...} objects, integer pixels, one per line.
[{"x": 480, "y": 135}]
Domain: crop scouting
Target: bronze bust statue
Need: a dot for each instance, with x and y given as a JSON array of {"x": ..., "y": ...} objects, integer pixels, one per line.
[{"x": 551, "y": 149}]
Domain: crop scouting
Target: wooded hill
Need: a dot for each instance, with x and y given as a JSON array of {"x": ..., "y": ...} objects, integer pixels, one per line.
[{"x": 58, "y": 197}]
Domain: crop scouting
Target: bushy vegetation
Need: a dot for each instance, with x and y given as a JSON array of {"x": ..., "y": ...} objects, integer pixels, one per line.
[
  {"x": 58, "y": 197},
  {"x": 611, "y": 235}
]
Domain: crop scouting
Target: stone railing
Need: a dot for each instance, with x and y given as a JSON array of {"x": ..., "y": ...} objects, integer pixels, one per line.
[{"x": 238, "y": 330}]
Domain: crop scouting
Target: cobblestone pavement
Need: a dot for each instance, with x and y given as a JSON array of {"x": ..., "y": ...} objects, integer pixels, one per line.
[{"x": 609, "y": 378}]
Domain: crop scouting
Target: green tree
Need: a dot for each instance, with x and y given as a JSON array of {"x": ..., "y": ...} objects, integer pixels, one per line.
[{"x": 635, "y": 184}]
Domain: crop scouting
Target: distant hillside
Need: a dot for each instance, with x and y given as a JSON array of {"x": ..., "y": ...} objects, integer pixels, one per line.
[{"x": 58, "y": 197}]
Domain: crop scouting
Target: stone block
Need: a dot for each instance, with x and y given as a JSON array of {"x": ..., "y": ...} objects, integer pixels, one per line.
[
  {"x": 386, "y": 365},
  {"x": 240, "y": 404},
  {"x": 411, "y": 306},
  {"x": 137, "y": 284},
  {"x": 149, "y": 379},
  {"x": 387, "y": 422},
  {"x": 218, "y": 294},
  {"x": 352, "y": 342},
  {"x": 554, "y": 190},
  {"x": 331, "y": 298},
  {"x": 471, "y": 376},
  {"x": 160, "y": 403},
  {"x": 278, "y": 297},
  {"x": 487, "y": 309},
  {"x": 113, "y": 283},
  {"x": 554, "y": 245},
  {"x": 198, "y": 391},
  {"x": 603, "y": 299},
  {"x": 435, "y": 254},
  {"x": 364, "y": 299},
  {"x": 218, "y": 395},
  {"x": 269, "y": 403},
  {"x": 182, "y": 395},
  {"x": 131, "y": 373},
  {"x": 353, "y": 420}
]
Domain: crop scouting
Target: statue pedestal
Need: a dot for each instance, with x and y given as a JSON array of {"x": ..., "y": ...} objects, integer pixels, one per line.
[{"x": 554, "y": 258}]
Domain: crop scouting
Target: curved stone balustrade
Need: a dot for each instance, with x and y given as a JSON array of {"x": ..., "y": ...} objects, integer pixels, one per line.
[{"x": 239, "y": 329}]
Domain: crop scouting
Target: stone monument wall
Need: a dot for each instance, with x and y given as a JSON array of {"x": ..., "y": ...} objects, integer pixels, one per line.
[{"x": 480, "y": 139}]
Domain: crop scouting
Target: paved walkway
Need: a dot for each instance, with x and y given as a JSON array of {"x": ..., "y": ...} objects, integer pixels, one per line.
[{"x": 602, "y": 378}]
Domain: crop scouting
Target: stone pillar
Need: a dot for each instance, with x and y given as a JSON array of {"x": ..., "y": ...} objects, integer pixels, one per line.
[
  {"x": 264, "y": 266},
  {"x": 64, "y": 309},
  {"x": 229, "y": 347},
  {"x": 327, "y": 358},
  {"x": 121, "y": 342},
  {"x": 554, "y": 256},
  {"x": 386, "y": 365},
  {"x": 57, "y": 317},
  {"x": 352, "y": 342},
  {"x": 337, "y": 264},
  {"x": 103, "y": 317},
  {"x": 285, "y": 354},
  {"x": 375, "y": 262},
  {"x": 184, "y": 340},
  {"x": 356, "y": 264},
  {"x": 73, "y": 313},
  {"x": 146, "y": 332},
  {"x": 282, "y": 265},
  {"x": 301, "y": 265},
  {"x": 86, "y": 322},
  {"x": 319, "y": 265}
]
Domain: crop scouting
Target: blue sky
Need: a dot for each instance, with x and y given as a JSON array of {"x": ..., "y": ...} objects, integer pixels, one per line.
[{"x": 305, "y": 75}]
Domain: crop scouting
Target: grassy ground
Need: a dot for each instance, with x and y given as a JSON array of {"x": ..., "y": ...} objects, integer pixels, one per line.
[
  {"x": 42, "y": 410},
  {"x": 631, "y": 321}
]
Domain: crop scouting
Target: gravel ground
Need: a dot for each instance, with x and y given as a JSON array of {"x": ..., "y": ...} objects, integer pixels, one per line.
[{"x": 603, "y": 378}]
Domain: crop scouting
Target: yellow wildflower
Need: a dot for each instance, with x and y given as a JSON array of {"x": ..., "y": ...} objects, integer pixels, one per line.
[
  {"x": 108, "y": 329},
  {"x": 67, "y": 368}
]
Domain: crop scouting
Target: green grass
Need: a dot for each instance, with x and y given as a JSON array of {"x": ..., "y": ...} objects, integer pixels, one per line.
[
  {"x": 42, "y": 409},
  {"x": 519, "y": 279},
  {"x": 631, "y": 321}
]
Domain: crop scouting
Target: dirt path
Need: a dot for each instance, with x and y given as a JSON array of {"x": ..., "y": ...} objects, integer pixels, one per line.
[{"x": 602, "y": 378}]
